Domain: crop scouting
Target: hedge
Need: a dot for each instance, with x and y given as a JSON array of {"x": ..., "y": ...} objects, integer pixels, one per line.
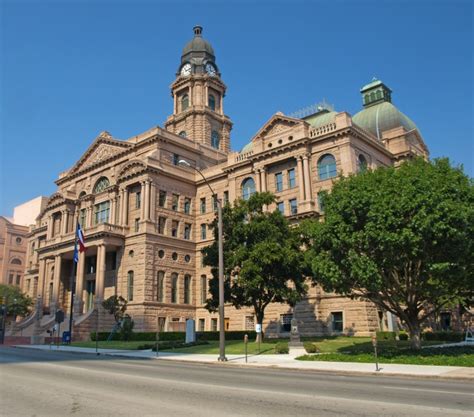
[
  {"x": 282, "y": 347},
  {"x": 177, "y": 336},
  {"x": 443, "y": 336}
]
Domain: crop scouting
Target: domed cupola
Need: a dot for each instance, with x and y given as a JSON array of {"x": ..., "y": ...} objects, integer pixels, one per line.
[
  {"x": 198, "y": 56},
  {"x": 379, "y": 114}
]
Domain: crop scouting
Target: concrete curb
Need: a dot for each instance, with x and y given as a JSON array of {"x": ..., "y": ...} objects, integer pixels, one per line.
[{"x": 265, "y": 366}]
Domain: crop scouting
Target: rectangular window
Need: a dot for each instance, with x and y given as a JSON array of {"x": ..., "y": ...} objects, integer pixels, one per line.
[
  {"x": 130, "y": 285},
  {"x": 160, "y": 287},
  {"x": 203, "y": 231},
  {"x": 137, "y": 225},
  {"x": 10, "y": 279},
  {"x": 18, "y": 279},
  {"x": 203, "y": 289},
  {"x": 174, "y": 228},
  {"x": 285, "y": 322},
  {"x": 226, "y": 197},
  {"x": 202, "y": 325},
  {"x": 161, "y": 225},
  {"x": 281, "y": 207},
  {"x": 215, "y": 201},
  {"x": 445, "y": 320},
  {"x": 176, "y": 159},
  {"x": 203, "y": 205},
  {"x": 187, "y": 289},
  {"x": 138, "y": 199},
  {"x": 187, "y": 205},
  {"x": 321, "y": 202},
  {"x": 187, "y": 231},
  {"x": 27, "y": 285},
  {"x": 279, "y": 181},
  {"x": 213, "y": 325},
  {"x": 162, "y": 199},
  {"x": 174, "y": 287},
  {"x": 175, "y": 202},
  {"x": 337, "y": 321},
  {"x": 250, "y": 323},
  {"x": 293, "y": 206},
  {"x": 101, "y": 212},
  {"x": 291, "y": 178}
]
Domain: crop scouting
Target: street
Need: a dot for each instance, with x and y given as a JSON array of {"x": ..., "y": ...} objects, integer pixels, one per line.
[{"x": 44, "y": 383}]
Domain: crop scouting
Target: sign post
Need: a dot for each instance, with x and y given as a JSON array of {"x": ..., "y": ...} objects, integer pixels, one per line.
[
  {"x": 258, "y": 330},
  {"x": 374, "y": 344},
  {"x": 58, "y": 318},
  {"x": 246, "y": 342}
]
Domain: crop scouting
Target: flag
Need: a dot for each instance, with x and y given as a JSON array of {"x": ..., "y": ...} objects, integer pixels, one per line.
[{"x": 79, "y": 245}]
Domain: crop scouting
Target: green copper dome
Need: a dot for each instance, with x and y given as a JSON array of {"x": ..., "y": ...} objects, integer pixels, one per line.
[
  {"x": 322, "y": 118},
  {"x": 381, "y": 117},
  {"x": 379, "y": 114},
  {"x": 198, "y": 44}
]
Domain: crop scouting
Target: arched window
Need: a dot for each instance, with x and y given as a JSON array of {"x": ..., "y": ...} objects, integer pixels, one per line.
[
  {"x": 16, "y": 261},
  {"x": 82, "y": 194},
  {"x": 215, "y": 140},
  {"x": 184, "y": 102},
  {"x": 174, "y": 287},
  {"x": 362, "y": 163},
  {"x": 248, "y": 188},
  {"x": 187, "y": 289},
  {"x": 101, "y": 184},
  {"x": 327, "y": 167},
  {"x": 212, "y": 102},
  {"x": 160, "y": 287},
  {"x": 130, "y": 286},
  {"x": 182, "y": 134}
]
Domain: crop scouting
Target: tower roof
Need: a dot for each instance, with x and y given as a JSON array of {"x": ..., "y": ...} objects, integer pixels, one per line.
[{"x": 197, "y": 45}]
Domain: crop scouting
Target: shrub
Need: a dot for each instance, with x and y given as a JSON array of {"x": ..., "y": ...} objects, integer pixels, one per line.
[
  {"x": 142, "y": 336},
  {"x": 145, "y": 346},
  {"x": 402, "y": 335},
  {"x": 443, "y": 336},
  {"x": 386, "y": 336},
  {"x": 176, "y": 345},
  {"x": 233, "y": 335},
  {"x": 310, "y": 347},
  {"x": 281, "y": 347}
]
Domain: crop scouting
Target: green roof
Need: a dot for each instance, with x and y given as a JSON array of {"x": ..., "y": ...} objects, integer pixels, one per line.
[
  {"x": 381, "y": 117},
  {"x": 321, "y": 118}
]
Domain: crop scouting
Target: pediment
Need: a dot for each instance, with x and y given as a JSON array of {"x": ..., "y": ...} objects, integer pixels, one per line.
[
  {"x": 103, "y": 148},
  {"x": 279, "y": 123}
]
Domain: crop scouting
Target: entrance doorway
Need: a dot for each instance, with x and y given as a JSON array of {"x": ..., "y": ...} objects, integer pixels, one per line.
[{"x": 90, "y": 293}]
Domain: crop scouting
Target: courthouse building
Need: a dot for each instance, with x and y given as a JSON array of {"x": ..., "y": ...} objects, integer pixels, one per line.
[{"x": 146, "y": 218}]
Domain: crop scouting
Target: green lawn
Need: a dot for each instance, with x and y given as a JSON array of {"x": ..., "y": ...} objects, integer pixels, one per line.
[{"x": 112, "y": 345}]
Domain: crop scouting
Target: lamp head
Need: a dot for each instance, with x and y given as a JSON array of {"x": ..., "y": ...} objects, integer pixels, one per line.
[{"x": 184, "y": 163}]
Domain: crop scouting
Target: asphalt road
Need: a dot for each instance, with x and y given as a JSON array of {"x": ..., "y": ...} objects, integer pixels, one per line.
[{"x": 38, "y": 383}]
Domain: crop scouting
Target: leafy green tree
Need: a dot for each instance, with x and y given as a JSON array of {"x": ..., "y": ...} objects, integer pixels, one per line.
[
  {"x": 17, "y": 303},
  {"x": 399, "y": 237},
  {"x": 116, "y": 305},
  {"x": 263, "y": 261}
]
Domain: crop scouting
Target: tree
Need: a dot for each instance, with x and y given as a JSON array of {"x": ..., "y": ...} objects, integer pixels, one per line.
[
  {"x": 399, "y": 237},
  {"x": 116, "y": 305},
  {"x": 17, "y": 303},
  {"x": 263, "y": 261}
]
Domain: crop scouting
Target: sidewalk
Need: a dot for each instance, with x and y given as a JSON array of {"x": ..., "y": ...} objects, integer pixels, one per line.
[{"x": 283, "y": 362}]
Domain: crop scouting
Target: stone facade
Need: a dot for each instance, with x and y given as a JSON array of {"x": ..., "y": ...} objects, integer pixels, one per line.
[{"x": 146, "y": 218}]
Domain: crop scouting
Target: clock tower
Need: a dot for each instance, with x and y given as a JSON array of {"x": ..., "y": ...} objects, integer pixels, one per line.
[{"x": 198, "y": 94}]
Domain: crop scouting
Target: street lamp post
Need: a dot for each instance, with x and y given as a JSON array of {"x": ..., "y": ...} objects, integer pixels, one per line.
[{"x": 220, "y": 245}]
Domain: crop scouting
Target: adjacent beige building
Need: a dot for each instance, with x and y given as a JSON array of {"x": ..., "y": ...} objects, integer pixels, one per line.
[{"x": 146, "y": 218}]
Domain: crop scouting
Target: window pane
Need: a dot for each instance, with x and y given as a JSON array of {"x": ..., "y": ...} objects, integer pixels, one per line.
[
  {"x": 291, "y": 178},
  {"x": 248, "y": 188},
  {"x": 279, "y": 181},
  {"x": 327, "y": 167}
]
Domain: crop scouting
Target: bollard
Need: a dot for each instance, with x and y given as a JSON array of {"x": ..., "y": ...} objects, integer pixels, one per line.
[
  {"x": 246, "y": 341},
  {"x": 374, "y": 344}
]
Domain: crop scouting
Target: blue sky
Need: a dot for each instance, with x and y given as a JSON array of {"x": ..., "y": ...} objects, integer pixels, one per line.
[{"x": 71, "y": 69}]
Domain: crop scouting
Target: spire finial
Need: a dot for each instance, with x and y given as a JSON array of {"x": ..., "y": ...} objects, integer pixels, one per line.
[{"x": 197, "y": 30}]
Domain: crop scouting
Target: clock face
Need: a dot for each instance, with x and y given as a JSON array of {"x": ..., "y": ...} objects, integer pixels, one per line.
[
  {"x": 186, "y": 69},
  {"x": 211, "y": 70}
]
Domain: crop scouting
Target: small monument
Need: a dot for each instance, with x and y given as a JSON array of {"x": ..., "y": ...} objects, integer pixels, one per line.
[
  {"x": 190, "y": 331},
  {"x": 295, "y": 346}
]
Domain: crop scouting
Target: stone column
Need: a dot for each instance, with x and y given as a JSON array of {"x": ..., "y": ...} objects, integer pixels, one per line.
[
  {"x": 89, "y": 215},
  {"x": 56, "y": 283},
  {"x": 143, "y": 200},
  {"x": 307, "y": 178},
  {"x": 64, "y": 218},
  {"x": 80, "y": 276},
  {"x": 263, "y": 179},
  {"x": 175, "y": 107},
  {"x": 257, "y": 180},
  {"x": 152, "y": 202},
  {"x": 77, "y": 210},
  {"x": 41, "y": 277},
  {"x": 113, "y": 204},
  {"x": 125, "y": 207},
  {"x": 100, "y": 274},
  {"x": 147, "y": 200},
  {"x": 49, "y": 232},
  {"x": 299, "y": 166}
]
